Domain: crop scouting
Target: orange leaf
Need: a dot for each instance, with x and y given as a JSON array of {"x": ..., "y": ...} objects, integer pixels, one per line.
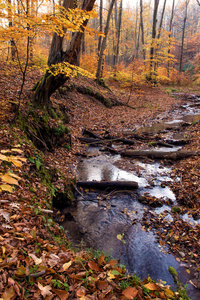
[
  {"x": 93, "y": 266},
  {"x": 130, "y": 293},
  {"x": 62, "y": 295},
  {"x": 151, "y": 286},
  {"x": 101, "y": 259}
]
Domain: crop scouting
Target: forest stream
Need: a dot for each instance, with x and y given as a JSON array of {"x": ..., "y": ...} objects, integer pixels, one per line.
[{"x": 100, "y": 216}]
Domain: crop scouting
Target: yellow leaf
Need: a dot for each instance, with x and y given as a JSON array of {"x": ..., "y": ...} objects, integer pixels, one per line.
[
  {"x": 21, "y": 271},
  {"x": 14, "y": 175},
  {"x": 110, "y": 276},
  {"x": 16, "y": 162},
  {"x": 6, "y": 188},
  {"x": 169, "y": 293},
  {"x": 66, "y": 265},
  {"x": 8, "y": 179},
  {"x": 17, "y": 150},
  {"x": 3, "y": 250},
  {"x": 3, "y": 157},
  {"x": 188, "y": 271}
]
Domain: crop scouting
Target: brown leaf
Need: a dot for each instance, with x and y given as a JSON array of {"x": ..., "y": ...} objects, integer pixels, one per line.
[
  {"x": 130, "y": 292},
  {"x": 62, "y": 295},
  {"x": 81, "y": 292},
  {"x": 8, "y": 293},
  {"x": 93, "y": 266},
  {"x": 102, "y": 284},
  {"x": 45, "y": 290}
]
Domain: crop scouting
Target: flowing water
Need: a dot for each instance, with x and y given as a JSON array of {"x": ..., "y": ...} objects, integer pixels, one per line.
[{"x": 98, "y": 219}]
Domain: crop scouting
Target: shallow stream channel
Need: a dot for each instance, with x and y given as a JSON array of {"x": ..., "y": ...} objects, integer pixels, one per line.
[{"x": 100, "y": 215}]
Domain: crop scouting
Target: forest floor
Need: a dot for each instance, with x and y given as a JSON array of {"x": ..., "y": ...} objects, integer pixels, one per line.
[{"x": 37, "y": 261}]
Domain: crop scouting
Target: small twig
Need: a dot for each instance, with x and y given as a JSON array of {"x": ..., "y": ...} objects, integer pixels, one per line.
[
  {"x": 79, "y": 192},
  {"x": 39, "y": 139},
  {"x": 38, "y": 274}
]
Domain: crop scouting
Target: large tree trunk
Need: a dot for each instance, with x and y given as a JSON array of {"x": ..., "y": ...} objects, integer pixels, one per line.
[{"x": 50, "y": 83}]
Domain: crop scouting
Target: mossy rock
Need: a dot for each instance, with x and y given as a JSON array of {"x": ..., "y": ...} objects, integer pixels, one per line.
[
  {"x": 42, "y": 130},
  {"x": 176, "y": 209}
]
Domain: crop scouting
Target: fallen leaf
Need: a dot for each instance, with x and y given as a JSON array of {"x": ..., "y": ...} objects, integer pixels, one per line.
[
  {"x": 8, "y": 294},
  {"x": 130, "y": 293},
  {"x": 66, "y": 265},
  {"x": 5, "y": 215},
  {"x": 8, "y": 179},
  {"x": 93, "y": 266},
  {"x": 102, "y": 284},
  {"x": 45, "y": 290},
  {"x": 37, "y": 260},
  {"x": 151, "y": 286},
  {"x": 6, "y": 188},
  {"x": 62, "y": 295},
  {"x": 101, "y": 259},
  {"x": 81, "y": 292},
  {"x": 169, "y": 293}
]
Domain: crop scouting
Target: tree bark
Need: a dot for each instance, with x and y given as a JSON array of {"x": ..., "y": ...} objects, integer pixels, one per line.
[
  {"x": 153, "y": 36},
  {"x": 183, "y": 35},
  {"x": 100, "y": 24},
  {"x": 57, "y": 41},
  {"x": 142, "y": 30},
  {"x": 169, "y": 37},
  {"x": 103, "y": 44},
  {"x": 118, "y": 29},
  {"x": 50, "y": 83}
]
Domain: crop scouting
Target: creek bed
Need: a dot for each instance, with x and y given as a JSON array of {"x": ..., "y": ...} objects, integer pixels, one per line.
[{"x": 100, "y": 216}]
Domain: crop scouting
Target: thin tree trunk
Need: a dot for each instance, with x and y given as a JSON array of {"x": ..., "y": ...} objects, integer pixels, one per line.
[
  {"x": 118, "y": 28},
  {"x": 169, "y": 37},
  {"x": 103, "y": 45},
  {"x": 142, "y": 30},
  {"x": 10, "y": 24},
  {"x": 100, "y": 24},
  {"x": 159, "y": 31},
  {"x": 153, "y": 36},
  {"x": 183, "y": 35}
]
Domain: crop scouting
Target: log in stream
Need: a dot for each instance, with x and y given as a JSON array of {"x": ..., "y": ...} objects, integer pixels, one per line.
[
  {"x": 159, "y": 154},
  {"x": 128, "y": 185}
]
